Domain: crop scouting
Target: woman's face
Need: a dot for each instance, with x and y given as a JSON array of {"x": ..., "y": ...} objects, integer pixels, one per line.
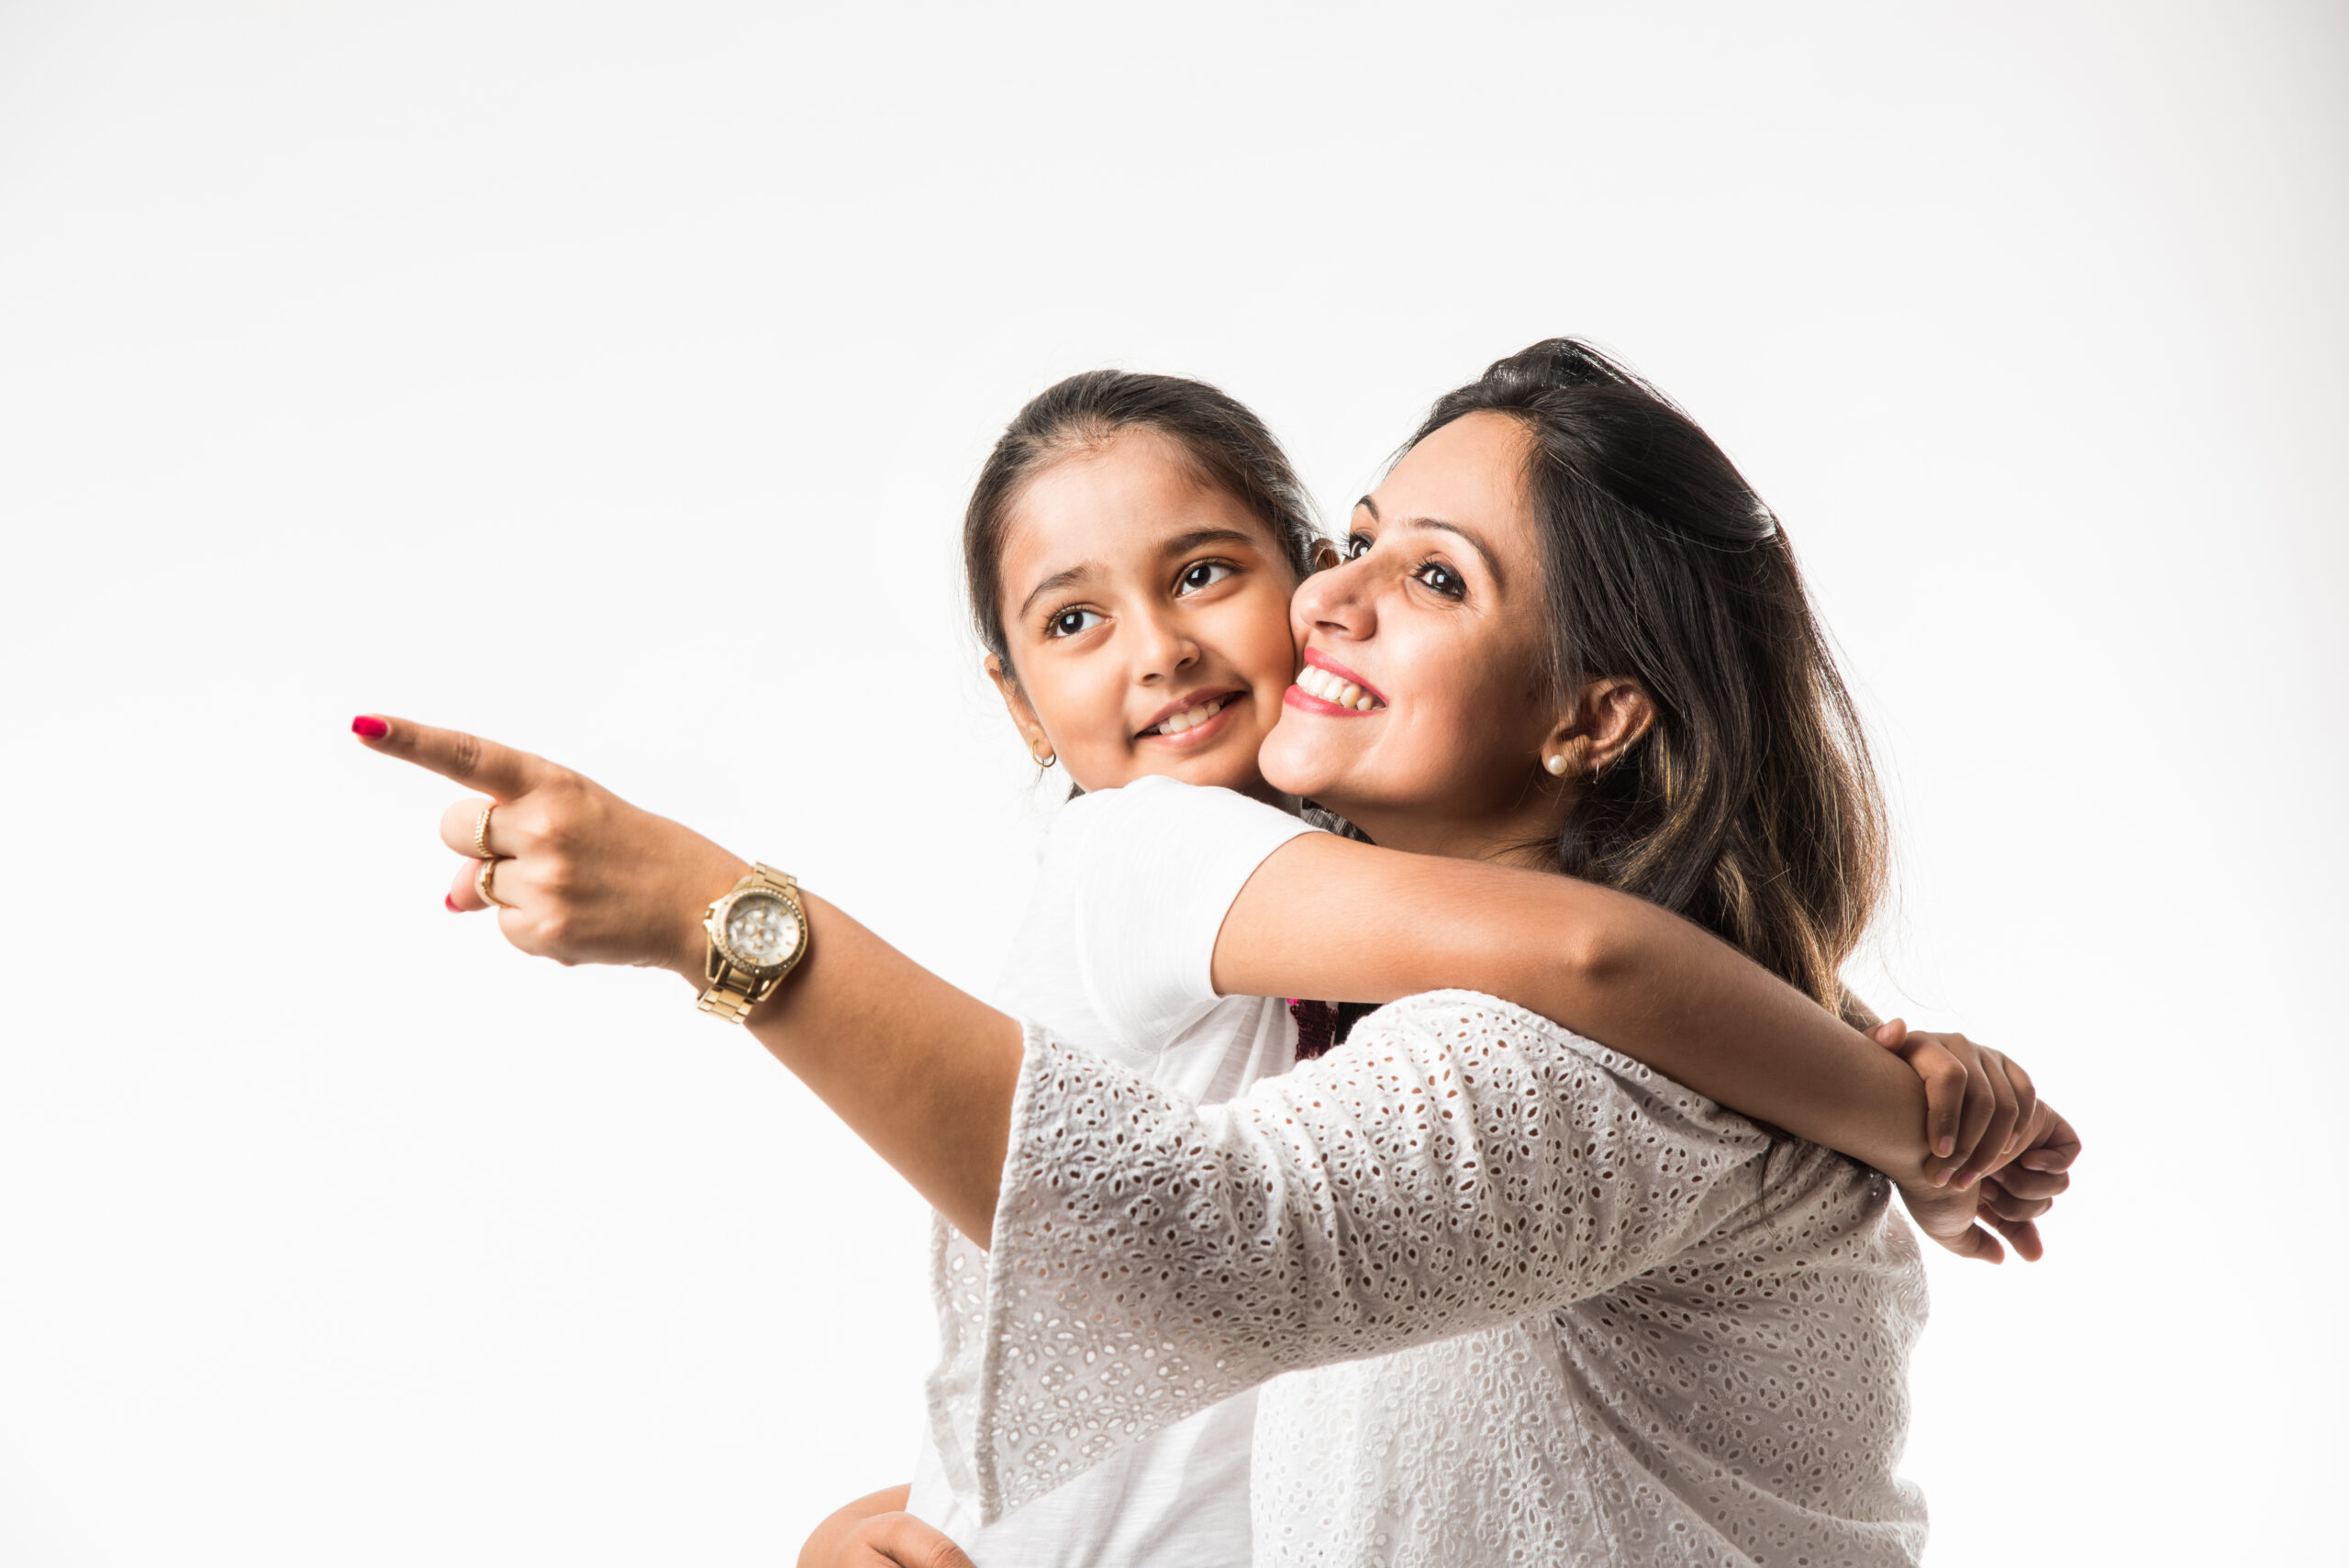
[
  {"x": 1148, "y": 620},
  {"x": 1438, "y": 615}
]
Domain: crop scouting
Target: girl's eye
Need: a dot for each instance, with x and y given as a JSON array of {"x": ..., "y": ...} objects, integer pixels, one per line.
[
  {"x": 1443, "y": 579},
  {"x": 1357, "y": 546},
  {"x": 1203, "y": 575},
  {"x": 1068, "y": 623}
]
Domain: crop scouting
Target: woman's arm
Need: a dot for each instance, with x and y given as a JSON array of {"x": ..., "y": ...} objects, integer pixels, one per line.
[
  {"x": 1347, "y": 921},
  {"x": 925, "y": 1073},
  {"x": 921, "y": 1071}
]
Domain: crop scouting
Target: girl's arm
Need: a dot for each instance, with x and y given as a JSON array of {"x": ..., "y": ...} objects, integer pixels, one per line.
[
  {"x": 1344, "y": 920},
  {"x": 875, "y": 1531}
]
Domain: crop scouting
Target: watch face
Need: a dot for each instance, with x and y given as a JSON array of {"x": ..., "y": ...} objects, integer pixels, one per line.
[{"x": 762, "y": 930}]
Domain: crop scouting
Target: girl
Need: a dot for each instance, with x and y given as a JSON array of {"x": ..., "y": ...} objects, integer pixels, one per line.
[{"x": 1719, "y": 1025}]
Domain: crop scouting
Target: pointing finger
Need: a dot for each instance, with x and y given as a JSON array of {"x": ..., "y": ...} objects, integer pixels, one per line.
[{"x": 499, "y": 771}]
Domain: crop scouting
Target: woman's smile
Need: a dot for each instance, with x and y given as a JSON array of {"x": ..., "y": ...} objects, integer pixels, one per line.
[{"x": 1326, "y": 686}]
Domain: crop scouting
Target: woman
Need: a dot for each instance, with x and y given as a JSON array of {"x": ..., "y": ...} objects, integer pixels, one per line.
[{"x": 1682, "y": 739}]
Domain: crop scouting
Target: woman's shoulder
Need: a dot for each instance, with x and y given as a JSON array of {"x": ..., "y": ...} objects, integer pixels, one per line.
[{"x": 1472, "y": 1025}]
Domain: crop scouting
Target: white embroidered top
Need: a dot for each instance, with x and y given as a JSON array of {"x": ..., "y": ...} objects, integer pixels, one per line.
[{"x": 1535, "y": 1304}]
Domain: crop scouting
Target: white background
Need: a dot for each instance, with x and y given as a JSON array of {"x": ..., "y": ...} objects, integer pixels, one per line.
[{"x": 610, "y": 380}]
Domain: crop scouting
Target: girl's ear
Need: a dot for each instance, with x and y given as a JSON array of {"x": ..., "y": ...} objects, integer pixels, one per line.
[
  {"x": 1015, "y": 701},
  {"x": 1608, "y": 716}
]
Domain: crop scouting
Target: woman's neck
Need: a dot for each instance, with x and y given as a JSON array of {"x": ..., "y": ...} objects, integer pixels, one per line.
[{"x": 1523, "y": 838}]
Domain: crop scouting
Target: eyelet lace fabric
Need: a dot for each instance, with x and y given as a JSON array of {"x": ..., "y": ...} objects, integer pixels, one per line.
[{"x": 1533, "y": 1304}]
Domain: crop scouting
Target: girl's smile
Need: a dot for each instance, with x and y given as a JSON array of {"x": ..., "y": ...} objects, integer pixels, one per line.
[{"x": 1194, "y": 722}]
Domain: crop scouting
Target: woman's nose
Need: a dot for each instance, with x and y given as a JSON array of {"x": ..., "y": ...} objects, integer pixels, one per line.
[{"x": 1336, "y": 600}]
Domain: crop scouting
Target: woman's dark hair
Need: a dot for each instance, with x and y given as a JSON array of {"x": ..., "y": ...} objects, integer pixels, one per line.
[
  {"x": 1228, "y": 447},
  {"x": 1751, "y": 805}
]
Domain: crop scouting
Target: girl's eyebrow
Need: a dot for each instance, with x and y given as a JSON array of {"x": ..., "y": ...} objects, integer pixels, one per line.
[
  {"x": 1180, "y": 544},
  {"x": 1183, "y": 544},
  {"x": 1058, "y": 580}
]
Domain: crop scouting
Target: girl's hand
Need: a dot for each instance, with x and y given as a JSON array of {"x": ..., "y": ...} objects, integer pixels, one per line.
[
  {"x": 1978, "y": 1103},
  {"x": 585, "y": 877},
  {"x": 2008, "y": 1201},
  {"x": 876, "y": 1532}
]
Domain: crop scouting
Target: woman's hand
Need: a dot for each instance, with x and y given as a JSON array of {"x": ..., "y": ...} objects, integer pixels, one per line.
[
  {"x": 1978, "y": 1103},
  {"x": 585, "y": 877},
  {"x": 875, "y": 1531}
]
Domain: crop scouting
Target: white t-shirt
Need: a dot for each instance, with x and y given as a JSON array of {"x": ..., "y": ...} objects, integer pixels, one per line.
[{"x": 1127, "y": 978}]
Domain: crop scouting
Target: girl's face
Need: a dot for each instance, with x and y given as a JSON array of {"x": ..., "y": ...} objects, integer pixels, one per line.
[
  {"x": 1148, "y": 620},
  {"x": 1437, "y": 614}
]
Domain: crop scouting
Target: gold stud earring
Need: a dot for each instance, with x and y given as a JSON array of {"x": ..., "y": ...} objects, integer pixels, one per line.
[
  {"x": 1556, "y": 763},
  {"x": 1041, "y": 753}
]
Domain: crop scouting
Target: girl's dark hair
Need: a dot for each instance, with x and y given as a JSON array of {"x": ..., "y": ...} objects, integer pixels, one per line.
[
  {"x": 1228, "y": 446},
  {"x": 1751, "y": 805}
]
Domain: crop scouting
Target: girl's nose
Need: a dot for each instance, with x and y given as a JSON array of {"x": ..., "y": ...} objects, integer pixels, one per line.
[{"x": 1162, "y": 649}]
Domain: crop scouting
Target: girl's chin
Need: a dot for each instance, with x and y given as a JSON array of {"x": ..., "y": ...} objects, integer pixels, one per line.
[{"x": 1229, "y": 763}]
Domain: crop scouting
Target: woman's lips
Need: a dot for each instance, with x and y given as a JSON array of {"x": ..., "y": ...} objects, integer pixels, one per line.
[
  {"x": 1326, "y": 686},
  {"x": 1304, "y": 701},
  {"x": 1316, "y": 660}
]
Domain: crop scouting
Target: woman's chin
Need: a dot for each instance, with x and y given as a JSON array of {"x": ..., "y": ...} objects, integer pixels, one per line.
[{"x": 1295, "y": 766}]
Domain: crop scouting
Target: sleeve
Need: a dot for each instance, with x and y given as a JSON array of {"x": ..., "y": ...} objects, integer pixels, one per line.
[
  {"x": 1461, "y": 1162},
  {"x": 1154, "y": 867}
]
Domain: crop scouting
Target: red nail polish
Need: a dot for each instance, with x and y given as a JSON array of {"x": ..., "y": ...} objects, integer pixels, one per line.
[
  {"x": 451, "y": 903},
  {"x": 368, "y": 727}
]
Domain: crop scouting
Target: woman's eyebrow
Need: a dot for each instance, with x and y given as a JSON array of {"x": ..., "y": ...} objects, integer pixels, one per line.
[
  {"x": 1474, "y": 543},
  {"x": 1469, "y": 534},
  {"x": 1057, "y": 581}
]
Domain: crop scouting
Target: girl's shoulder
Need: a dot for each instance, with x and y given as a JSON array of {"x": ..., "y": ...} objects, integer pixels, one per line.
[{"x": 1157, "y": 799}]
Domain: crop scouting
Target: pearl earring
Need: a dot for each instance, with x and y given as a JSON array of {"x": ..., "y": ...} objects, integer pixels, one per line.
[
  {"x": 1040, "y": 752},
  {"x": 1556, "y": 763}
]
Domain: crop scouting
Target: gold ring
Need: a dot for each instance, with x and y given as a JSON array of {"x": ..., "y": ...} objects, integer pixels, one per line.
[
  {"x": 481, "y": 886},
  {"x": 482, "y": 851}
]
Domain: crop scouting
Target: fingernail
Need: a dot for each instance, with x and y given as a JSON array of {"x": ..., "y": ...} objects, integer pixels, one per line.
[
  {"x": 1945, "y": 1146},
  {"x": 367, "y": 726},
  {"x": 449, "y": 903}
]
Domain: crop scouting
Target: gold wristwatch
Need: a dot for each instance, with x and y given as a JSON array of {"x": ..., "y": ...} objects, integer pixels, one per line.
[{"x": 757, "y": 933}]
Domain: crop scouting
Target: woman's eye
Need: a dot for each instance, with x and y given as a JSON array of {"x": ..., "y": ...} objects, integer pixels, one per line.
[
  {"x": 1443, "y": 579},
  {"x": 1357, "y": 546},
  {"x": 1203, "y": 574},
  {"x": 1068, "y": 623}
]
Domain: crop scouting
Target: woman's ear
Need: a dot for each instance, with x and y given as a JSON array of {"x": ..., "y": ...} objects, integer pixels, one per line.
[
  {"x": 1015, "y": 701},
  {"x": 1608, "y": 716}
]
